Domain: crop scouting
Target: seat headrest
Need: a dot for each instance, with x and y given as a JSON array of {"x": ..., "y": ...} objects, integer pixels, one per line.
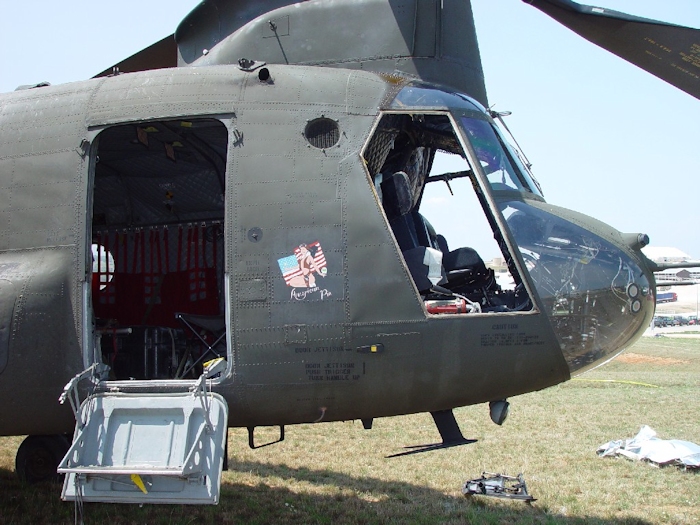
[{"x": 397, "y": 195}]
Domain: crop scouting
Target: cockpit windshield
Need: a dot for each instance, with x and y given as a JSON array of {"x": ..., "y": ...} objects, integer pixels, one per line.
[
  {"x": 502, "y": 166},
  {"x": 596, "y": 296}
]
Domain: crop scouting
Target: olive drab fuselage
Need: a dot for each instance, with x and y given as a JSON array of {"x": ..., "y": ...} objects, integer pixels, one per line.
[{"x": 253, "y": 197}]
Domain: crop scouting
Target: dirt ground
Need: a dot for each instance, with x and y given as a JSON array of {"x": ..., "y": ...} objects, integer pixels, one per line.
[{"x": 632, "y": 358}]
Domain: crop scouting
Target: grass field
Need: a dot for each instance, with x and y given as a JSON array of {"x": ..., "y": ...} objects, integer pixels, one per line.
[{"x": 337, "y": 473}]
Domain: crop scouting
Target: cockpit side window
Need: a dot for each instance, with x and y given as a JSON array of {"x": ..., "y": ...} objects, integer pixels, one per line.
[{"x": 442, "y": 225}]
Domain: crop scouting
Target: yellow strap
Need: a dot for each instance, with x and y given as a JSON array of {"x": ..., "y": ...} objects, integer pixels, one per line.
[{"x": 139, "y": 483}]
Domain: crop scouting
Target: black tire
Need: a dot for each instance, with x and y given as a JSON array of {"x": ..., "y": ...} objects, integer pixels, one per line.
[{"x": 38, "y": 458}]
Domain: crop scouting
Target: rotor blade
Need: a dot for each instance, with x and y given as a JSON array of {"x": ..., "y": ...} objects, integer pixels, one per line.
[
  {"x": 661, "y": 266},
  {"x": 156, "y": 56},
  {"x": 670, "y": 52}
]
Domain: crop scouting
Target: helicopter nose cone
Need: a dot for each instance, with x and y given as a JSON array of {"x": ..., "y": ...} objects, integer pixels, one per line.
[
  {"x": 593, "y": 321},
  {"x": 597, "y": 295}
]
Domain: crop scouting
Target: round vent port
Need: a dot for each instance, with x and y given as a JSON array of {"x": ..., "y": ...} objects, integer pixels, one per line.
[{"x": 322, "y": 133}]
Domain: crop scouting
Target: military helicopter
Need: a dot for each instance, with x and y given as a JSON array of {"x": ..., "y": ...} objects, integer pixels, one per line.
[{"x": 243, "y": 226}]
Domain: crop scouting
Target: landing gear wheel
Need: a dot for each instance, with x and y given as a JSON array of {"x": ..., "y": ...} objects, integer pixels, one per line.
[{"x": 38, "y": 458}]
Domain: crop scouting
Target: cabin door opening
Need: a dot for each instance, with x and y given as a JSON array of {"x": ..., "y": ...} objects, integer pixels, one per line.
[{"x": 157, "y": 247}]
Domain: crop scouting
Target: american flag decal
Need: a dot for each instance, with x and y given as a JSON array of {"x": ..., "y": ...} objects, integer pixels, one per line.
[{"x": 291, "y": 266}]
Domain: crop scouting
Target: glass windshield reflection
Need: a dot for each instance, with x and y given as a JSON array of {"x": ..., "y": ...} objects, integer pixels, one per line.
[
  {"x": 595, "y": 295},
  {"x": 497, "y": 164}
]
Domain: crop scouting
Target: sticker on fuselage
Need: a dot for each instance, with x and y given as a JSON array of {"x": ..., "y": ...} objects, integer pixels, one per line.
[{"x": 303, "y": 270}]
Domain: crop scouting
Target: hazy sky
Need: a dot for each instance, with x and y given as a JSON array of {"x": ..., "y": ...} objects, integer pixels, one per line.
[{"x": 605, "y": 138}]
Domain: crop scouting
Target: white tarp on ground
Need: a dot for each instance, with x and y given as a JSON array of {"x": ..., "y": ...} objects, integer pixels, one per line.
[{"x": 645, "y": 445}]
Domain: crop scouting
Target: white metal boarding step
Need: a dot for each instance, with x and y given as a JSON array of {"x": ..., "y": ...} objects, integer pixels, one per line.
[{"x": 148, "y": 448}]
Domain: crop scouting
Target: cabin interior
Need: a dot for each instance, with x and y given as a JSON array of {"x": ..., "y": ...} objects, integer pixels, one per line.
[{"x": 158, "y": 247}]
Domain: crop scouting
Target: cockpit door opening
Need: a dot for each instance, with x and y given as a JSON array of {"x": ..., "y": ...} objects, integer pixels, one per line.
[{"x": 442, "y": 224}]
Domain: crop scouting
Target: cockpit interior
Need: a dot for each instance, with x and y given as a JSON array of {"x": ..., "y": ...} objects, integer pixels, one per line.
[{"x": 450, "y": 275}]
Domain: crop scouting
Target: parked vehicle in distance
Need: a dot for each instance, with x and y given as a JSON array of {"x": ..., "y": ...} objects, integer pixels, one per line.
[
  {"x": 666, "y": 297},
  {"x": 660, "y": 321}
]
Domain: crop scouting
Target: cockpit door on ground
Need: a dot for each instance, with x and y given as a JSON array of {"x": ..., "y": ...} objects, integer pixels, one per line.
[{"x": 147, "y": 447}]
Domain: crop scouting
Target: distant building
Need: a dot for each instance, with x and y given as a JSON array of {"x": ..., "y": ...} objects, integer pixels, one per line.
[
  {"x": 498, "y": 265},
  {"x": 662, "y": 254}
]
